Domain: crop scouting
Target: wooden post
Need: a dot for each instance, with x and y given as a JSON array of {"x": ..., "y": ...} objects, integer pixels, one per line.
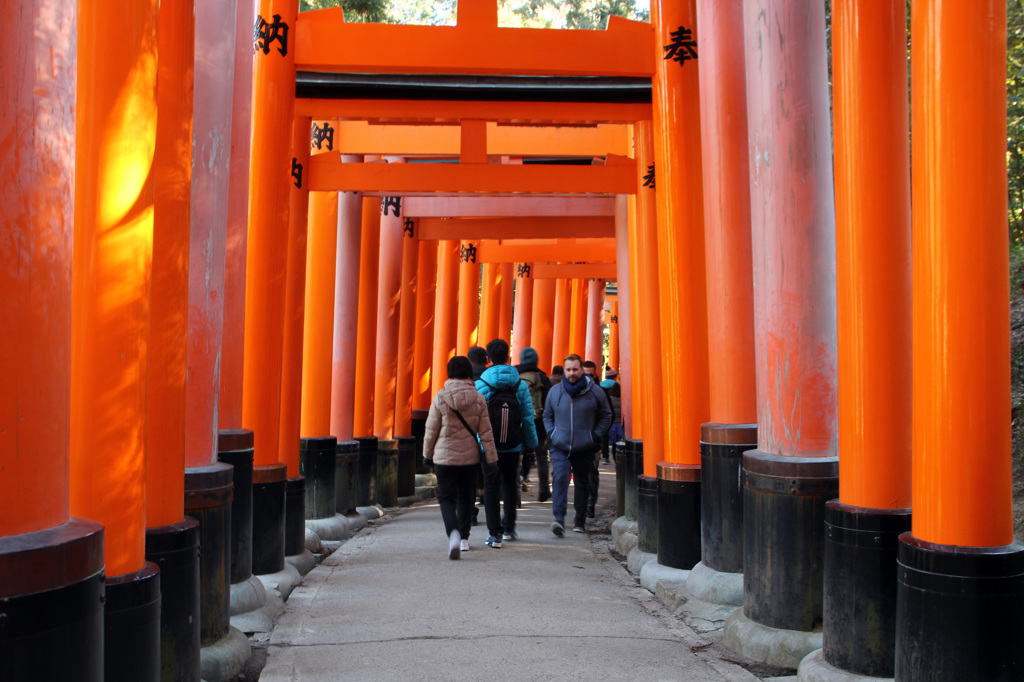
[
  {"x": 561, "y": 321},
  {"x": 521, "y": 328},
  {"x": 389, "y": 301},
  {"x": 505, "y": 300},
  {"x": 318, "y": 333},
  {"x": 426, "y": 291},
  {"x": 542, "y": 322},
  {"x": 407, "y": 330},
  {"x": 490, "y": 292},
  {"x": 595, "y": 324},
  {"x": 469, "y": 298},
  {"x": 347, "y": 276},
  {"x": 446, "y": 311}
]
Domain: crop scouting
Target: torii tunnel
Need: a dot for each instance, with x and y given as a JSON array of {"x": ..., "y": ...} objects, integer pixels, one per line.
[{"x": 235, "y": 262}]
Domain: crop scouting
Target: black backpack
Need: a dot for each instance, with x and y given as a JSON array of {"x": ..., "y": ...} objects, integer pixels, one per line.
[{"x": 506, "y": 417}]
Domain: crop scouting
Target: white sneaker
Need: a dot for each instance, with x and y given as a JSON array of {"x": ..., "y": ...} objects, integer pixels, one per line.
[
  {"x": 464, "y": 545},
  {"x": 453, "y": 545}
]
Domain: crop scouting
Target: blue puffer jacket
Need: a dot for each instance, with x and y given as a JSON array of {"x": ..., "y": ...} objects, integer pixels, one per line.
[
  {"x": 576, "y": 425},
  {"x": 501, "y": 376}
]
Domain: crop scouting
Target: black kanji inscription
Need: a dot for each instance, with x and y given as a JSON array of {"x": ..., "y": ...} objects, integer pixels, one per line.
[
  {"x": 523, "y": 270},
  {"x": 468, "y": 253},
  {"x": 297, "y": 172},
  {"x": 320, "y": 135},
  {"x": 265, "y": 34},
  {"x": 649, "y": 178},
  {"x": 389, "y": 203},
  {"x": 683, "y": 47},
  {"x": 408, "y": 227}
]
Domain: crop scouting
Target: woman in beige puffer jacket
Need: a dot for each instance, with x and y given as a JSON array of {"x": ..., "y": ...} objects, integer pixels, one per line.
[{"x": 455, "y": 452}]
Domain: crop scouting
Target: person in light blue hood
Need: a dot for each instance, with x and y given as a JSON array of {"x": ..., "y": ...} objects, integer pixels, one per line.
[{"x": 511, "y": 412}]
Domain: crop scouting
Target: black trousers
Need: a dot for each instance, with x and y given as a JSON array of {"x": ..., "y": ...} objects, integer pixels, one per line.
[
  {"x": 502, "y": 485},
  {"x": 456, "y": 488}
]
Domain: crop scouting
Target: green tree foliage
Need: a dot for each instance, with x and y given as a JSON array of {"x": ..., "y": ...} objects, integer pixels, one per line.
[
  {"x": 577, "y": 14},
  {"x": 357, "y": 11},
  {"x": 1015, "y": 118}
]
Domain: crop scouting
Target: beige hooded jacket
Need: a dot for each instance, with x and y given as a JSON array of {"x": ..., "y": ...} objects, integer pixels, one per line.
[{"x": 446, "y": 441}]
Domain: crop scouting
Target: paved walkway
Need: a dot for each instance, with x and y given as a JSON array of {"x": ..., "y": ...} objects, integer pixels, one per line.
[{"x": 390, "y": 605}]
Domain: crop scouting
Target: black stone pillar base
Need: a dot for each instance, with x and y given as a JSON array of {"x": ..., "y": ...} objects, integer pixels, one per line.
[
  {"x": 317, "y": 464},
  {"x": 367, "y": 486},
  {"x": 131, "y": 626},
  {"x": 859, "y": 633},
  {"x": 175, "y": 550},
  {"x": 633, "y": 466},
  {"x": 387, "y": 473},
  {"x": 647, "y": 514},
  {"x": 52, "y": 592},
  {"x": 721, "y": 501},
  {"x": 784, "y": 537},
  {"x": 235, "y": 447},
  {"x": 209, "y": 492},
  {"x": 620, "y": 478},
  {"x": 346, "y": 477},
  {"x": 419, "y": 426},
  {"x": 678, "y": 515},
  {"x": 406, "y": 466},
  {"x": 958, "y": 612},
  {"x": 268, "y": 518},
  {"x": 295, "y": 516}
]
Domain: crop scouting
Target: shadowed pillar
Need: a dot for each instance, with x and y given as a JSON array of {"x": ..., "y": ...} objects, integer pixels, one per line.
[
  {"x": 50, "y": 605},
  {"x": 407, "y": 331},
  {"x": 542, "y": 321},
  {"x": 389, "y": 305},
  {"x": 115, "y": 143},
  {"x": 522, "y": 326},
  {"x": 561, "y": 321},
  {"x": 366, "y": 352},
  {"x": 426, "y": 290},
  {"x": 595, "y": 323},
  {"x": 960, "y": 562},
  {"x": 345, "y": 312},
  {"x": 490, "y": 293},
  {"x": 793, "y": 256},
  {"x": 505, "y": 302},
  {"x": 578, "y": 318},
  {"x": 446, "y": 312}
]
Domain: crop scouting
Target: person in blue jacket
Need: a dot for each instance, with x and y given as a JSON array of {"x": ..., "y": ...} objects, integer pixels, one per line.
[
  {"x": 577, "y": 417},
  {"x": 509, "y": 438}
]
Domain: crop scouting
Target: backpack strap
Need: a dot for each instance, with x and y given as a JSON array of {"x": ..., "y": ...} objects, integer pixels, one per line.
[{"x": 466, "y": 424}]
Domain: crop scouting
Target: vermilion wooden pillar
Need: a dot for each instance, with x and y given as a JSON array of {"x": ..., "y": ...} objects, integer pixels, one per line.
[
  {"x": 960, "y": 561},
  {"x": 622, "y": 325},
  {"x": 521, "y": 327},
  {"x": 561, "y": 321},
  {"x": 635, "y": 430},
  {"x": 490, "y": 293},
  {"x": 407, "y": 329},
  {"x": 366, "y": 352},
  {"x": 542, "y": 322},
  {"x": 446, "y": 312},
  {"x": 469, "y": 299},
  {"x": 115, "y": 140},
  {"x": 731, "y": 429},
  {"x": 505, "y": 303},
  {"x": 229, "y": 406},
  {"x": 295, "y": 300},
  {"x": 645, "y": 309},
  {"x": 37, "y": 109},
  {"x": 426, "y": 290},
  {"x": 318, "y": 334},
  {"x": 346, "y": 305},
  {"x": 271, "y": 174},
  {"x": 677, "y": 153},
  {"x": 595, "y": 323},
  {"x": 578, "y": 318},
  {"x": 389, "y": 302},
  {"x": 613, "y": 334},
  {"x": 793, "y": 256}
]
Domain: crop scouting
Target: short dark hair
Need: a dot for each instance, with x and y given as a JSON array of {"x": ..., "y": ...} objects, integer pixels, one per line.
[
  {"x": 590, "y": 364},
  {"x": 459, "y": 367},
  {"x": 477, "y": 355},
  {"x": 574, "y": 358},
  {"x": 558, "y": 369},
  {"x": 497, "y": 349}
]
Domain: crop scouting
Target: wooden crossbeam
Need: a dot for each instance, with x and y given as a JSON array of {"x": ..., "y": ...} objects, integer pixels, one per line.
[
  {"x": 511, "y": 207},
  {"x": 324, "y": 42},
  {"x": 328, "y": 173},
  {"x": 546, "y": 250},
  {"x": 604, "y": 271},
  {"x": 518, "y": 228}
]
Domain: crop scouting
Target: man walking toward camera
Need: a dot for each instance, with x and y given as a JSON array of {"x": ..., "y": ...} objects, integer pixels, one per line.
[{"x": 576, "y": 417}]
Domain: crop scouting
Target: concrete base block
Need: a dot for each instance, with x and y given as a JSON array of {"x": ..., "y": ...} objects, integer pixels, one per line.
[
  {"x": 715, "y": 587},
  {"x": 636, "y": 559},
  {"x": 409, "y": 501},
  {"x": 261, "y": 618},
  {"x": 283, "y": 582},
  {"x": 332, "y": 528},
  {"x": 356, "y": 521},
  {"x": 303, "y": 563},
  {"x": 426, "y": 492},
  {"x": 223, "y": 660},
  {"x": 426, "y": 480},
  {"x": 621, "y": 526},
  {"x": 704, "y": 618},
  {"x": 626, "y": 543},
  {"x": 814, "y": 668},
  {"x": 653, "y": 573},
  {"x": 374, "y": 512},
  {"x": 313, "y": 542},
  {"x": 780, "y": 648}
]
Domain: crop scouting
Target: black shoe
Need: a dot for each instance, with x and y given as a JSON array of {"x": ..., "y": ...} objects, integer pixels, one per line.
[
  {"x": 544, "y": 496},
  {"x": 579, "y": 529},
  {"x": 590, "y": 514}
]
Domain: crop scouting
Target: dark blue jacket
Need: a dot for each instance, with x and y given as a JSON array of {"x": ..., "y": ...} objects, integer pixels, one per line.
[
  {"x": 502, "y": 376},
  {"x": 576, "y": 425}
]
